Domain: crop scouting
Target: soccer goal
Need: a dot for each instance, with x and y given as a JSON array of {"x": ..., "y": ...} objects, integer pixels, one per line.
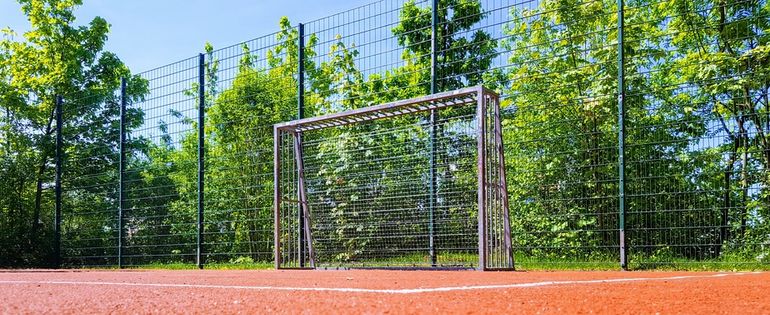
[{"x": 417, "y": 183}]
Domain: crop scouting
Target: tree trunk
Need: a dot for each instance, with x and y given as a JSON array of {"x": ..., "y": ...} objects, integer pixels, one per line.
[
  {"x": 44, "y": 151},
  {"x": 595, "y": 161},
  {"x": 38, "y": 199},
  {"x": 736, "y": 139},
  {"x": 724, "y": 232}
]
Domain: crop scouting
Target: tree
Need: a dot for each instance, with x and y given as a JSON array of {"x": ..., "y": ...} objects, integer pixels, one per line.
[
  {"x": 55, "y": 57},
  {"x": 464, "y": 54},
  {"x": 689, "y": 69},
  {"x": 560, "y": 139},
  {"x": 723, "y": 51}
]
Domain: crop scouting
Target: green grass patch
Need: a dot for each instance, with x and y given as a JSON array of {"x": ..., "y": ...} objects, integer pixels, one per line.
[
  {"x": 661, "y": 260},
  {"x": 683, "y": 264},
  {"x": 597, "y": 262},
  {"x": 211, "y": 266}
]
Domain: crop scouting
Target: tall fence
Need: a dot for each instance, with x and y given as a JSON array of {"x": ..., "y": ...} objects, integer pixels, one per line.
[{"x": 635, "y": 134}]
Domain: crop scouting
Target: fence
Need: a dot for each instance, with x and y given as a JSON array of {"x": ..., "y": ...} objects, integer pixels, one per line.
[{"x": 634, "y": 134}]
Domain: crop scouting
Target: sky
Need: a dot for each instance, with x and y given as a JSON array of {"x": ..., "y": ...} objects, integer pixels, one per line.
[{"x": 149, "y": 34}]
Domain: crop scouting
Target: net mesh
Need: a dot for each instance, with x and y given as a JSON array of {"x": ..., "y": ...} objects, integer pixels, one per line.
[{"x": 366, "y": 183}]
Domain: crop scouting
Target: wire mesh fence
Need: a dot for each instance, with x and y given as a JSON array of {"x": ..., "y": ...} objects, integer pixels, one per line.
[
  {"x": 91, "y": 180},
  {"x": 562, "y": 132},
  {"x": 250, "y": 87},
  {"x": 159, "y": 206},
  {"x": 697, "y": 121},
  {"x": 665, "y": 161}
]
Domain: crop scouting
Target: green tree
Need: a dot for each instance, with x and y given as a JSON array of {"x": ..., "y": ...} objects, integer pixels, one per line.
[
  {"x": 723, "y": 52},
  {"x": 351, "y": 188},
  {"x": 56, "y": 57},
  {"x": 559, "y": 141},
  {"x": 241, "y": 111},
  {"x": 689, "y": 69},
  {"x": 464, "y": 55}
]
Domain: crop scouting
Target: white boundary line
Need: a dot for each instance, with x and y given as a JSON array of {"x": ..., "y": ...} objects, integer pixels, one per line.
[{"x": 379, "y": 291}]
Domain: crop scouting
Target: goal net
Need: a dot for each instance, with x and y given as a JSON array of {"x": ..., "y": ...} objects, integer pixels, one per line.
[{"x": 417, "y": 183}]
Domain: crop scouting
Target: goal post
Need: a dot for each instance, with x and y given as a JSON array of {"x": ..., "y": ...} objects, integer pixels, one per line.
[{"x": 351, "y": 188}]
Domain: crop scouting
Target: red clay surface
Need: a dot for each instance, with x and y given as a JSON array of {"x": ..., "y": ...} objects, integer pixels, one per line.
[{"x": 389, "y": 292}]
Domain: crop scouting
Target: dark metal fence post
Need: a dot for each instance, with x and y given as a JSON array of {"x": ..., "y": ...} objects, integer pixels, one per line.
[
  {"x": 122, "y": 169},
  {"x": 199, "y": 259},
  {"x": 621, "y": 140},
  {"x": 300, "y": 115},
  {"x": 433, "y": 46},
  {"x": 723, "y": 232},
  {"x": 59, "y": 159},
  {"x": 433, "y": 114}
]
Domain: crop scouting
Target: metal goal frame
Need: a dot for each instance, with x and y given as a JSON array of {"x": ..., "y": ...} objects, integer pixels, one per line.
[{"x": 494, "y": 229}]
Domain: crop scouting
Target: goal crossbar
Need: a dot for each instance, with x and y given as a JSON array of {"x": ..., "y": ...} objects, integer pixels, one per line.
[{"x": 388, "y": 110}]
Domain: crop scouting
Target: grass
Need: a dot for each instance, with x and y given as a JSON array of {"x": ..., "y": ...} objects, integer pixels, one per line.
[
  {"x": 187, "y": 266},
  {"x": 413, "y": 260},
  {"x": 532, "y": 264},
  {"x": 212, "y": 266},
  {"x": 524, "y": 262},
  {"x": 642, "y": 263},
  {"x": 680, "y": 264}
]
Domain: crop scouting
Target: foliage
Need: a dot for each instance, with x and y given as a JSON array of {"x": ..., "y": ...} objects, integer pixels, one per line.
[
  {"x": 694, "y": 78},
  {"x": 56, "y": 57}
]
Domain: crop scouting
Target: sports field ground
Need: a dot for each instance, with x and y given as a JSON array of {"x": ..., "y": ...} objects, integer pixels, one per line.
[{"x": 381, "y": 291}]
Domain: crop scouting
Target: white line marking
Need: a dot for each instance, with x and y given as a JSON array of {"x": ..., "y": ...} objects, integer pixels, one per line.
[{"x": 380, "y": 291}]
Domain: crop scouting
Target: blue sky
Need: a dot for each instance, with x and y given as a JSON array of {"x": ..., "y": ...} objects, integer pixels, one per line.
[{"x": 148, "y": 34}]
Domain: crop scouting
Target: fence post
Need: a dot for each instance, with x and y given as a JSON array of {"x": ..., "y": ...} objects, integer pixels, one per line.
[
  {"x": 300, "y": 115},
  {"x": 621, "y": 140},
  {"x": 433, "y": 46},
  {"x": 199, "y": 258},
  {"x": 121, "y": 170},
  {"x": 58, "y": 188},
  {"x": 433, "y": 118}
]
